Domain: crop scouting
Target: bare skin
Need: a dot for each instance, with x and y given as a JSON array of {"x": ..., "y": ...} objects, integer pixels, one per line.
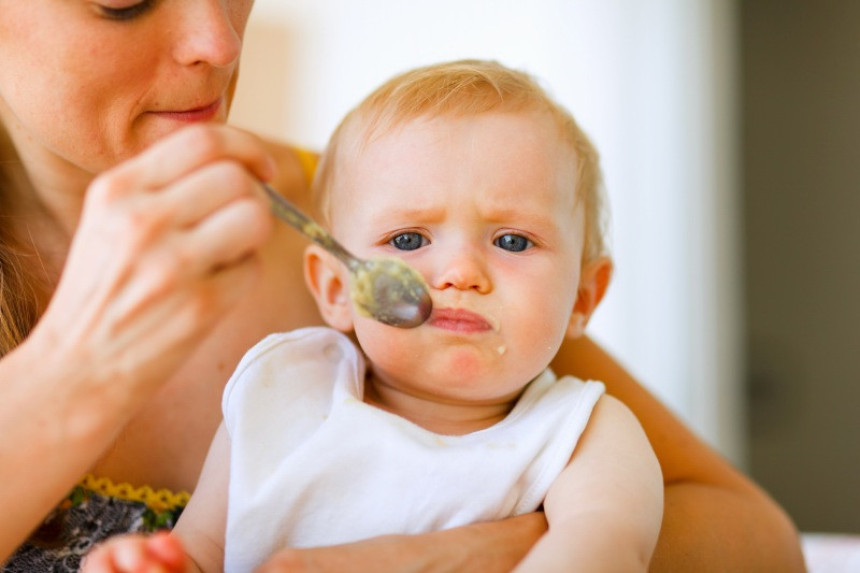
[
  {"x": 166, "y": 443},
  {"x": 119, "y": 395},
  {"x": 714, "y": 517},
  {"x": 709, "y": 506},
  {"x": 149, "y": 421}
]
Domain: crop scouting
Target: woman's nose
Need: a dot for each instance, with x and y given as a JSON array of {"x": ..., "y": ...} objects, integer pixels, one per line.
[
  {"x": 209, "y": 32},
  {"x": 463, "y": 269}
]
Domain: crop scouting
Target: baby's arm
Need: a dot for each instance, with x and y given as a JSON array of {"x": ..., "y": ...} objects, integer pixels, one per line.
[
  {"x": 203, "y": 522},
  {"x": 605, "y": 509},
  {"x": 195, "y": 544},
  {"x": 715, "y": 518}
]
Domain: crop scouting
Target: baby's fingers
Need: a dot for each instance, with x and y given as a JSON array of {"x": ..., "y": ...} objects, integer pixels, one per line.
[
  {"x": 168, "y": 550},
  {"x": 137, "y": 554},
  {"x": 118, "y": 555}
]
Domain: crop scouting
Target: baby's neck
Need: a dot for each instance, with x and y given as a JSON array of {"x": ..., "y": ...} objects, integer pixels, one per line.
[{"x": 436, "y": 414}]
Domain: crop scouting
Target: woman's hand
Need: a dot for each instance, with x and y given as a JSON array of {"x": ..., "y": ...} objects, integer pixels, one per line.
[{"x": 164, "y": 248}]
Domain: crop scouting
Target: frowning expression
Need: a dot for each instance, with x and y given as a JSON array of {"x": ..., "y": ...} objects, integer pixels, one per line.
[{"x": 484, "y": 207}]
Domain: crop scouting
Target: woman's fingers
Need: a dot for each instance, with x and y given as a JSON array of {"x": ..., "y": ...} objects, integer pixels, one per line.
[
  {"x": 146, "y": 323},
  {"x": 204, "y": 191},
  {"x": 186, "y": 151},
  {"x": 166, "y": 244},
  {"x": 227, "y": 235},
  {"x": 221, "y": 197}
]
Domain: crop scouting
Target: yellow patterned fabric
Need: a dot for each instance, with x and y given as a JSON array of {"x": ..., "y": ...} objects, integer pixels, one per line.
[{"x": 157, "y": 500}]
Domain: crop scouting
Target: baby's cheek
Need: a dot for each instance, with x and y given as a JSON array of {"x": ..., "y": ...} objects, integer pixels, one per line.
[{"x": 540, "y": 340}]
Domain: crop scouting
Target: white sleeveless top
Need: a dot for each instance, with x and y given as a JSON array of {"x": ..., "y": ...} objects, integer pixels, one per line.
[{"x": 312, "y": 464}]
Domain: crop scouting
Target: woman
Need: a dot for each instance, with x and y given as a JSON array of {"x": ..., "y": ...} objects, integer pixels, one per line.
[{"x": 138, "y": 264}]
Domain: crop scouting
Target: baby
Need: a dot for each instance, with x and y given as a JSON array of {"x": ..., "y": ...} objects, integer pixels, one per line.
[{"x": 475, "y": 177}]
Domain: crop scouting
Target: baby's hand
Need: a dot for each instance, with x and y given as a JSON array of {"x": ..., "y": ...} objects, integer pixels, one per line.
[{"x": 158, "y": 553}]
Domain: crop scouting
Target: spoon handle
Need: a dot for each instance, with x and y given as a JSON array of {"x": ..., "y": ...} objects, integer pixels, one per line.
[{"x": 291, "y": 214}]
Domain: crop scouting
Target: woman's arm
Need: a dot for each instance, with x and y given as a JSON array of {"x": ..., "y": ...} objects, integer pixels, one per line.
[
  {"x": 163, "y": 249},
  {"x": 486, "y": 547},
  {"x": 715, "y": 519}
]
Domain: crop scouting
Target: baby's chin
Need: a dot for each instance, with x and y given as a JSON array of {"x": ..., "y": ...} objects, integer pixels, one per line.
[{"x": 479, "y": 375}]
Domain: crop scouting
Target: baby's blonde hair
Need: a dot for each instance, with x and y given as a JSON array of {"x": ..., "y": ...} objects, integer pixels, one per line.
[{"x": 466, "y": 88}]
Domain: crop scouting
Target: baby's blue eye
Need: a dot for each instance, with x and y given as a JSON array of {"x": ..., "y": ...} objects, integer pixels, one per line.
[
  {"x": 514, "y": 243},
  {"x": 408, "y": 241}
]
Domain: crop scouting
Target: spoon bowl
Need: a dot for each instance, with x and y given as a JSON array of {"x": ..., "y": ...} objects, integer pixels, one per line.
[
  {"x": 390, "y": 291},
  {"x": 385, "y": 289}
]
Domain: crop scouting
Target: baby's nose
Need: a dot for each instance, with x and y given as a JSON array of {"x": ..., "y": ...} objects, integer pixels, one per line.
[{"x": 464, "y": 270}]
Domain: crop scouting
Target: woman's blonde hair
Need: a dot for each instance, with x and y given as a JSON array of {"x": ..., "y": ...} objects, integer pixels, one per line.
[
  {"x": 466, "y": 88},
  {"x": 19, "y": 298}
]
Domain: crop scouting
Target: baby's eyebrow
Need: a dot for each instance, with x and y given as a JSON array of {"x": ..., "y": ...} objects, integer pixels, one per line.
[
  {"x": 409, "y": 213},
  {"x": 536, "y": 218}
]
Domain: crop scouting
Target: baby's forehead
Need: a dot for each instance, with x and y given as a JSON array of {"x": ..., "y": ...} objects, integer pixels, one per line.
[
  {"x": 494, "y": 134},
  {"x": 368, "y": 149},
  {"x": 522, "y": 161},
  {"x": 365, "y": 129}
]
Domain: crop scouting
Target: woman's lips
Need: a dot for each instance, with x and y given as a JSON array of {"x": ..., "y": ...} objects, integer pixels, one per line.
[
  {"x": 204, "y": 113},
  {"x": 458, "y": 320}
]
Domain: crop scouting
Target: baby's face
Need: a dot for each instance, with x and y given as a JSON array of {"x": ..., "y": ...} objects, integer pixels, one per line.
[{"x": 484, "y": 208}]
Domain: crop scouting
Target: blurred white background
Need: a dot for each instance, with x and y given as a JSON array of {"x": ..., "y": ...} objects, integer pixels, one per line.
[{"x": 653, "y": 83}]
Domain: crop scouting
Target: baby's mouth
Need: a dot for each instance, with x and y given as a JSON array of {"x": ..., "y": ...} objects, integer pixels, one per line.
[{"x": 459, "y": 320}]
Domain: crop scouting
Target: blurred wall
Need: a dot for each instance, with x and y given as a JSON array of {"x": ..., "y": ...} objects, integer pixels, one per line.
[
  {"x": 801, "y": 110},
  {"x": 653, "y": 83}
]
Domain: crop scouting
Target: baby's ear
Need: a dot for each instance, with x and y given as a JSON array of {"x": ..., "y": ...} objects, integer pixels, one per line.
[
  {"x": 593, "y": 282},
  {"x": 327, "y": 280}
]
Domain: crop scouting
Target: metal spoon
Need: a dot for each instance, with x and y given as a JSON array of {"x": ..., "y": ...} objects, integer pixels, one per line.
[{"x": 386, "y": 289}]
